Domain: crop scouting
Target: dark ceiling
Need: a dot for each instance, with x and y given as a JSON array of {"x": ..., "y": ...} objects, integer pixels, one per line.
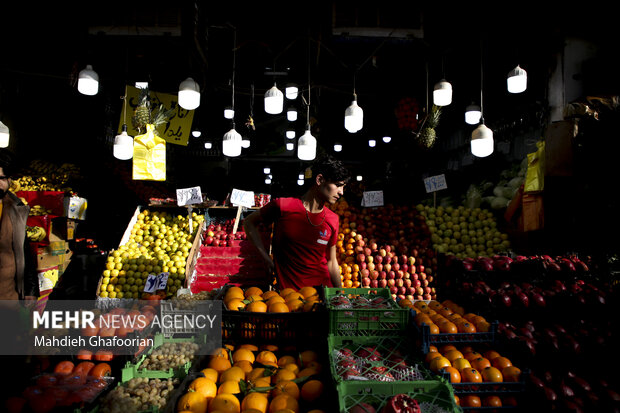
[{"x": 331, "y": 44}]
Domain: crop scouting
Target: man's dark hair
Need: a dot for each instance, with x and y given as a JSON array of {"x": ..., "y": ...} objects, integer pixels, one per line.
[
  {"x": 331, "y": 168},
  {"x": 6, "y": 162}
]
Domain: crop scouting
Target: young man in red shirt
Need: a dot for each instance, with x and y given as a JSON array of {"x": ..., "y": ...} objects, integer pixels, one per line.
[{"x": 305, "y": 230}]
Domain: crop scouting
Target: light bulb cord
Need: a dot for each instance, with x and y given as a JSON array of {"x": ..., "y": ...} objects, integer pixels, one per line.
[{"x": 481, "y": 81}]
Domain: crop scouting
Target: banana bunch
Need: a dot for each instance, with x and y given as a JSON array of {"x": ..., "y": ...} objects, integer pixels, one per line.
[
  {"x": 37, "y": 210},
  {"x": 46, "y": 176},
  {"x": 35, "y": 233}
]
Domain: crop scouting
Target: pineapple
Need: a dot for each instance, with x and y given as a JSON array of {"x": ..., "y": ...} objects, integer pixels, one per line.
[
  {"x": 427, "y": 136},
  {"x": 142, "y": 114}
]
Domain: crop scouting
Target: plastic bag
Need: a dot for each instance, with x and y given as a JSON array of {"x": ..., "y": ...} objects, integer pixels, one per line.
[
  {"x": 149, "y": 156},
  {"x": 535, "y": 175}
]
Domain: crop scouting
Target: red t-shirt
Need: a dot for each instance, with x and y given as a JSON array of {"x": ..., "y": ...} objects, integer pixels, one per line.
[{"x": 300, "y": 249}]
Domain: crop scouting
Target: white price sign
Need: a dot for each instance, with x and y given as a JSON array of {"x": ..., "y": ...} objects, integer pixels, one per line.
[
  {"x": 435, "y": 183},
  {"x": 156, "y": 282},
  {"x": 189, "y": 196},
  {"x": 372, "y": 198},
  {"x": 242, "y": 198}
]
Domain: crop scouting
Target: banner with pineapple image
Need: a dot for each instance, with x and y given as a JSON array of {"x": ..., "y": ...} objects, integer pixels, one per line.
[
  {"x": 149, "y": 156},
  {"x": 177, "y": 127}
]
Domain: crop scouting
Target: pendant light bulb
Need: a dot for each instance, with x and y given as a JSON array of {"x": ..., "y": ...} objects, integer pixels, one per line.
[
  {"x": 291, "y": 91},
  {"x": 442, "y": 93},
  {"x": 358, "y": 178},
  {"x": 231, "y": 143},
  {"x": 306, "y": 146},
  {"x": 337, "y": 147},
  {"x": 291, "y": 114},
  {"x": 196, "y": 133},
  {"x": 267, "y": 170},
  {"x": 300, "y": 182},
  {"x": 189, "y": 94},
  {"x": 473, "y": 114},
  {"x": 290, "y": 146},
  {"x": 4, "y": 135},
  {"x": 353, "y": 117},
  {"x": 208, "y": 145},
  {"x": 245, "y": 143},
  {"x": 88, "y": 81},
  {"x": 290, "y": 134},
  {"x": 123, "y": 145},
  {"x": 274, "y": 101},
  {"x": 387, "y": 139},
  {"x": 517, "y": 80},
  {"x": 372, "y": 143},
  {"x": 482, "y": 141},
  {"x": 229, "y": 112}
]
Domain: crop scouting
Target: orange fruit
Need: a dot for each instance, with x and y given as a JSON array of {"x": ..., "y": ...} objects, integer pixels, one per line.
[
  {"x": 229, "y": 387},
  {"x": 269, "y": 347},
  {"x": 308, "y": 292},
  {"x": 275, "y": 299},
  {"x": 287, "y": 387},
  {"x": 232, "y": 374},
  {"x": 295, "y": 305},
  {"x": 286, "y": 291},
  {"x": 254, "y": 297},
  {"x": 491, "y": 354},
  {"x": 501, "y": 362},
  {"x": 461, "y": 363},
  {"x": 492, "y": 401},
  {"x": 439, "y": 362},
  {"x": 225, "y": 403},
  {"x": 511, "y": 374},
  {"x": 256, "y": 307},
  {"x": 311, "y": 390},
  {"x": 470, "y": 375},
  {"x": 432, "y": 349},
  {"x": 244, "y": 365},
  {"x": 283, "y": 374},
  {"x": 192, "y": 401},
  {"x": 251, "y": 347},
  {"x": 466, "y": 328},
  {"x": 279, "y": 308},
  {"x": 471, "y": 400},
  {"x": 270, "y": 293},
  {"x": 308, "y": 371},
  {"x": 492, "y": 374},
  {"x": 469, "y": 316},
  {"x": 308, "y": 356},
  {"x": 447, "y": 347},
  {"x": 234, "y": 292},
  {"x": 483, "y": 326},
  {"x": 211, "y": 374},
  {"x": 314, "y": 365},
  {"x": 235, "y": 304},
  {"x": 453, "y": 355},
  {"x": 252, "y": 291},
  {"x": 448, "y": 328},
  {"x": 309, "y": 305},
  {"x": 292, "y": 367},
  {"x": 243, "y": 354},
  {"x": 405, "y": 303},
  {"x": 431, "y": 355},
  {"x": 455, "y": 375},
  {"x": 472, "y": 355},
  {"x": 266, "y": 356},
  {"x": 256, "y": 373},
  {"x": 283, "y": 401},
  {"x": 204, "y": 386},
  {"x": 255, "y": 400},
  {"x": 434, "y": 328},
  {"x": 286, "y": 359},
  {"x": 220, "y": 352},
  {"x": 293, "y": 296},
  {"x": 219, "y": 364},
  {"x": 480, "y": 363}
]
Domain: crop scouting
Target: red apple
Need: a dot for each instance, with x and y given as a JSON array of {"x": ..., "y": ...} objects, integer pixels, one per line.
[
  {"x": 381, "y": 283},
  {"x": 366, "y": 282},
  {"x": 407, "y": 282},
  {"x": 391, "y": 275},
  {"x": 399, "y": 282},
  {"x": 391, "y": 282}
]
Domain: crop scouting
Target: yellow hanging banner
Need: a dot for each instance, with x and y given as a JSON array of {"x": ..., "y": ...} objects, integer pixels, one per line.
[
  {"x": 178, "y": 128},
  {"x": 149, "y": 156}
]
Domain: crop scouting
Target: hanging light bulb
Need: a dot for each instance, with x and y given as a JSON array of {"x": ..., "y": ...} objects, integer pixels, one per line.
[
  {"x": 208, "y": 145},
  {"x": 290, "y": 146},
  {"x": 231, "y": 143},
  {"x": 229, "y": 112},
  {"x": 4, "y": 135},
  {"x": 274, "y": 101},
  {"x": 291, "y": 114},
  {"x": 189, "y": 94},
  {"x": 267, "y": 181},
  {"x": 372, "y": 143},
  {"x": 387, "y": 139},
  {"x": 353, "y": 117},
  {"x": 482, "y": 141},
  {"x": 196, "y": 133},
  {"x": 442, "y": 93},
  {"x": 88, "y": 81},
  {"x": 517, "y": 80},
  {"x": 290, "y": 134},
  {"x": 267, "y": 170},
  {"x": 245, "y": 142},
  {"x": 359, "y": 177},
  {"x": 291, "y": 91},
  {"x": 300, "y": 182},
  {"x": 306, "y": 146},
  {"x": 141, "y": 85},
  {"x": 123, "y": 145},
  {"x": 473, "y": 114},
  {"x": 337, "y": 147}
]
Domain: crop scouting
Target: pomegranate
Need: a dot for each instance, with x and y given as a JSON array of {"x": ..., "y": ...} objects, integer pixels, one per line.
[{"x": 401, "y": 403}]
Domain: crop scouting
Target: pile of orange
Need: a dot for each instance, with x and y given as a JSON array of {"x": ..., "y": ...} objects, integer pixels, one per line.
[
  {"x": 466, "y": 365},
  {"x": 231, "y": 372},
  {"x": 346, "y": 249},
  {"x": 254, "y": 299},
  {"x": 447, "y": 317}
]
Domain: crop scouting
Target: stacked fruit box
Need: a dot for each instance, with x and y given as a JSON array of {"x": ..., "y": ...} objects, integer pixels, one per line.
[{"x": 370, "y": 355}]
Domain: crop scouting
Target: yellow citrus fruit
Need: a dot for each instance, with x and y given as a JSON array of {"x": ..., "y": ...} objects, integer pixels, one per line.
[
  {"x": 283, "y": 401},
  {"x": 286, "y": 291},
  {"x": 233, "y": 374},
  {"x": 283, "y": 374},
  {"x": 243, "y": 354},
  {"x": 244, "y": 365},
  {"x": 253, "y": 291},
  {"x": 230, "y": 387},
  {"x": 211, "y": 374},
  {"x": 287, "y": 387},
  {"x": 235, "y": 292},
  {"x": 204, "y": 386},
  {"x": 254, "y": 400},
  {"x": 225, "y": 403},
  {"x": 266, "y": 356},
  {"x": 308, "y": 292},
  {"x": 256, "y": 307}
]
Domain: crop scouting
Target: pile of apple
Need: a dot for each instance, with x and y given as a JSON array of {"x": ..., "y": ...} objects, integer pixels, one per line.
[
  {"x": 390, "y": 248},
  {"x": 464, "y": 232},
  {"x": 221, "y": 234},
  {"x": 369, "y": 362},
  {"x": 569, "y": 264}
]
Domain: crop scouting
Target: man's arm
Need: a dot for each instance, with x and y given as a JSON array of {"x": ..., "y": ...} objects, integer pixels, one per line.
[
  {"x": 250, "y": 226},
  {"x": 333, "y": 267}
]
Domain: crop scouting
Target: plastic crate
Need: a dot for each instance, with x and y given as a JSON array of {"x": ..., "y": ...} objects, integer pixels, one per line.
[
  {"x": 426, "y": 339},
  {"x": 268, "y": 327},
  {"x": 432, "y": 395},
  {"x": 495, "y": 388},
  {"x": 390, "y": 359},
  {"x": 365, "y": 321}
]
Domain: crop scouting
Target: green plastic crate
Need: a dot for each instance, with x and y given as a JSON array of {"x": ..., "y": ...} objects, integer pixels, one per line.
[
  {"x": 353, "y": 321},
  {"x": 437, "y": 393},
  {"x": 386, "y": 366}
]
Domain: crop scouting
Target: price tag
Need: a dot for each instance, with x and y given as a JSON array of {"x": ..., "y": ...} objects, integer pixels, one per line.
[
  {"x": 435, "y": 183},
  {"x": 242, "y": 198},
  {"x": 156, "y": 282},
  {"x": 189, "y": 196},
  {"x": 372, "y": 198}
]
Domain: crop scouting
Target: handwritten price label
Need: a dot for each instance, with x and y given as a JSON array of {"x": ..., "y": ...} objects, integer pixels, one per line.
[
  {"x": 156, "y": 282},
  {"x": 435, "y": 183},
  {"x": 189, "y": 196},
  {"x": 242, "y": 198},
  {"x": 372, "y": 198}
]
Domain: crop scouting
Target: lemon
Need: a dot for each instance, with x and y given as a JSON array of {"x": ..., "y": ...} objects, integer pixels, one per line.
[
  {"x": 103, "y": 294},
  {"x": 112, "y": 294},
  {"x": 105, "y": 281}
]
